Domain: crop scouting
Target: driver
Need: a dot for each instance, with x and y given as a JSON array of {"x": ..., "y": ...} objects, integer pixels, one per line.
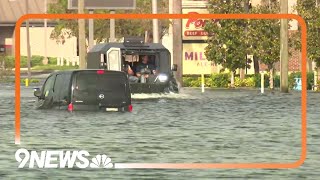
[{"x": 144, "y": 66}]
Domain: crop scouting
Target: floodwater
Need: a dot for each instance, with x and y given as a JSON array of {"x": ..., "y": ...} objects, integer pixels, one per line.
[{"x": 218, "y": 126}]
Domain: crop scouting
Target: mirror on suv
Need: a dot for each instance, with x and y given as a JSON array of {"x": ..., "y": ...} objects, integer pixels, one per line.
[
  {"x": 174, "y": 67},
  {"x": 37, "y": 92}
]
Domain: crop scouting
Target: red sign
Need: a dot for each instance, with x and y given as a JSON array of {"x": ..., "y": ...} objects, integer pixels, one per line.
[
  {"x": 194, "y": 23},
  {"x": 198, "y": 23},
  {"x": 196, "y": 33}
]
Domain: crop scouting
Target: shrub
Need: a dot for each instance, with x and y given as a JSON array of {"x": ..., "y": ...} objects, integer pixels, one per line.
[
  {"x": 208, "y": 82},
  {"x": 9, "y": 62},
  {"x": 214, "y": 80},
  {"x": 249, "y": 82},
  {"x": 36, "y": 60},
  {"x": 292, "y": 81},
  {"x": 318, "y": 85},
  {"x": 257, "y": 80},
  {"x": 276, "y": 81},
  {"x": 23, "y": 62},
  {"x": 187, "y": 81},
  {"x": 52, "y": 60},
  {"x": 238, "y": 82},
  {"x": 220, "y": 80}
]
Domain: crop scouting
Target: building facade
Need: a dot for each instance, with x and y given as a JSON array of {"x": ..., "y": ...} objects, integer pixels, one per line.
[
  {"x": 11, "y": 11},
  {"x": 194, "y": 36}
]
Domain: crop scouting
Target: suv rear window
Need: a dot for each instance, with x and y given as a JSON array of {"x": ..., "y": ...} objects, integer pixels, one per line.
[
  {"x": 108, "y": 81},
  {"x": 92, "y": 79}
]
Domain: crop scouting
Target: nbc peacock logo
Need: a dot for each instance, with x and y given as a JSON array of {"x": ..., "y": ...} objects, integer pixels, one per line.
[{"x": 101, "y": 161}]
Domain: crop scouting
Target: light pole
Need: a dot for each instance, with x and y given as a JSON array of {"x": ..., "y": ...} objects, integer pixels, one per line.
[
  {"x": 13, "y": 36},
  {"x": 155, "y": 22},
  {"x": 112, "y": 28},
  {"x": 246, "y": 9},
  {"x": 316, "y": 69},
  {"x": 28, "y": 45},
  {"x": 82, "y": 40},
  {"x": 45, "y": 60},
  {"x": 91, "y": 30},
  {"x": 225, "y": 57},
  {"x": 177, "y": 40},
  {"x": 284, "y": 48}
]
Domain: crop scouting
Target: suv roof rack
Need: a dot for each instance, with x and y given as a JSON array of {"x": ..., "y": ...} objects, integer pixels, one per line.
[{"x": 134, "y": 42}]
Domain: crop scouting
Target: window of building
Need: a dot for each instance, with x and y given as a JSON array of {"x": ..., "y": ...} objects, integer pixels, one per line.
[{"x": 6, "y": 49}]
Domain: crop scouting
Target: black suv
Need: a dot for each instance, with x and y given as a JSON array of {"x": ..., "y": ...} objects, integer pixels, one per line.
[{"x": 85, "y": 90}]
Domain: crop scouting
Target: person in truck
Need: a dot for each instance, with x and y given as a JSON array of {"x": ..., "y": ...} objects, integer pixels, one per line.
[
  {"x": 145, "y": 66},
  {"x": 132, "y": 77}
]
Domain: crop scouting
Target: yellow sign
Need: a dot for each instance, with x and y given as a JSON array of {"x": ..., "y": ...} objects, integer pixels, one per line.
[{"x": 194, "y": 60}]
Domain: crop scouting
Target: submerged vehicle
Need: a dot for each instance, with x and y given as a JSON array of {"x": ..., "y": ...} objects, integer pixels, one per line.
[
  {"x": 85, "y": 90},
  {"x": 148, "y": 65}
]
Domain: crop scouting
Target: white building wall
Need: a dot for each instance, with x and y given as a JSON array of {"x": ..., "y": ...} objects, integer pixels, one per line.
[{"x": 54, "y": 49}]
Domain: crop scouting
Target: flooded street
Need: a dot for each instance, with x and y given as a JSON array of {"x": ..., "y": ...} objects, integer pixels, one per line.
[{"x": 218, "y": 126}]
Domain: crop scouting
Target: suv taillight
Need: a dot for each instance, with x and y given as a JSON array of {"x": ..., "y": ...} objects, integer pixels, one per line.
[
  {"x": 100, "y": 72},
  {"x": 70, "y": 107},
  {"x": 130, "y": 108}
]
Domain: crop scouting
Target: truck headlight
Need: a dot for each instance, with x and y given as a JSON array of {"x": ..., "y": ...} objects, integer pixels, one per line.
[{"x": 163, "y": 77}]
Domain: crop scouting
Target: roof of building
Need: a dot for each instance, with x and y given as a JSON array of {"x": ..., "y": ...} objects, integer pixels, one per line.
[{"x": 12, "y": 10}]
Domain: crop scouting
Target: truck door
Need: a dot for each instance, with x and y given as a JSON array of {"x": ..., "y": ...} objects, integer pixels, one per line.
[
  {"x": 114, "y": 59},
  {"x": 61, "y": 91},
  {"x": 47, "y": 93}
]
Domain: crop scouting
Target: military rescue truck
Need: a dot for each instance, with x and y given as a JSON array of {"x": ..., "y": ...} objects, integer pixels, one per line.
[{"x": 147, "y": 65}]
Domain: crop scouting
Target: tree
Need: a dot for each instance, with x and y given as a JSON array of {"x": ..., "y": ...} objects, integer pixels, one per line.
[
  {"x": 228, "y": 45},
  {"x": 68, "y": 28},
  {"x": 265, "y": 37},
  {"x": 308, "y": 10}
]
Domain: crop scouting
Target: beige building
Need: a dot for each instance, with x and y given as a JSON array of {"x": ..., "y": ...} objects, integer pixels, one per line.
[
  {"x": 53, "y": 48},
  {"x": 11, "y": 11}
]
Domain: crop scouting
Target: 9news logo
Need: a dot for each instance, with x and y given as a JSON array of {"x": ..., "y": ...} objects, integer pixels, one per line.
[{"x": 61, "y": 159}]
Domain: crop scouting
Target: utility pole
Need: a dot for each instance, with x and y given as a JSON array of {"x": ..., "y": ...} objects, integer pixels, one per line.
[
  {"x": 177, "y": 39},
  {"x": 45, "y": 60},
  {"x": 91, "y": 30},
  {"x": 271, "y": 81},
  {"x": 284, "y": 48},
  {"x": 171, "y": 32},
  {"x": 28, "y": 44},
  {"x": 112, "y": 28},
  {"x": 155, "y": 22},
  {"x": 82, "y": 38},
  {"x": 146, "y": 36},
  {"x": 246, "y": 9}
]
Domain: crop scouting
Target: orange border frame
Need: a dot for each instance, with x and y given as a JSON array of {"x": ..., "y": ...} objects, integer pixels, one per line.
[{"x": 179, "y": 16}]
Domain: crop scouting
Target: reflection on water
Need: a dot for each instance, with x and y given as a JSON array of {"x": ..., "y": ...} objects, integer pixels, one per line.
[{"x": 218, "y": 126}]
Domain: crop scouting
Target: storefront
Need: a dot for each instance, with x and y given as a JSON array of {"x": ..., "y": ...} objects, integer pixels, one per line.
[{"x": 194, "y": 40}]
